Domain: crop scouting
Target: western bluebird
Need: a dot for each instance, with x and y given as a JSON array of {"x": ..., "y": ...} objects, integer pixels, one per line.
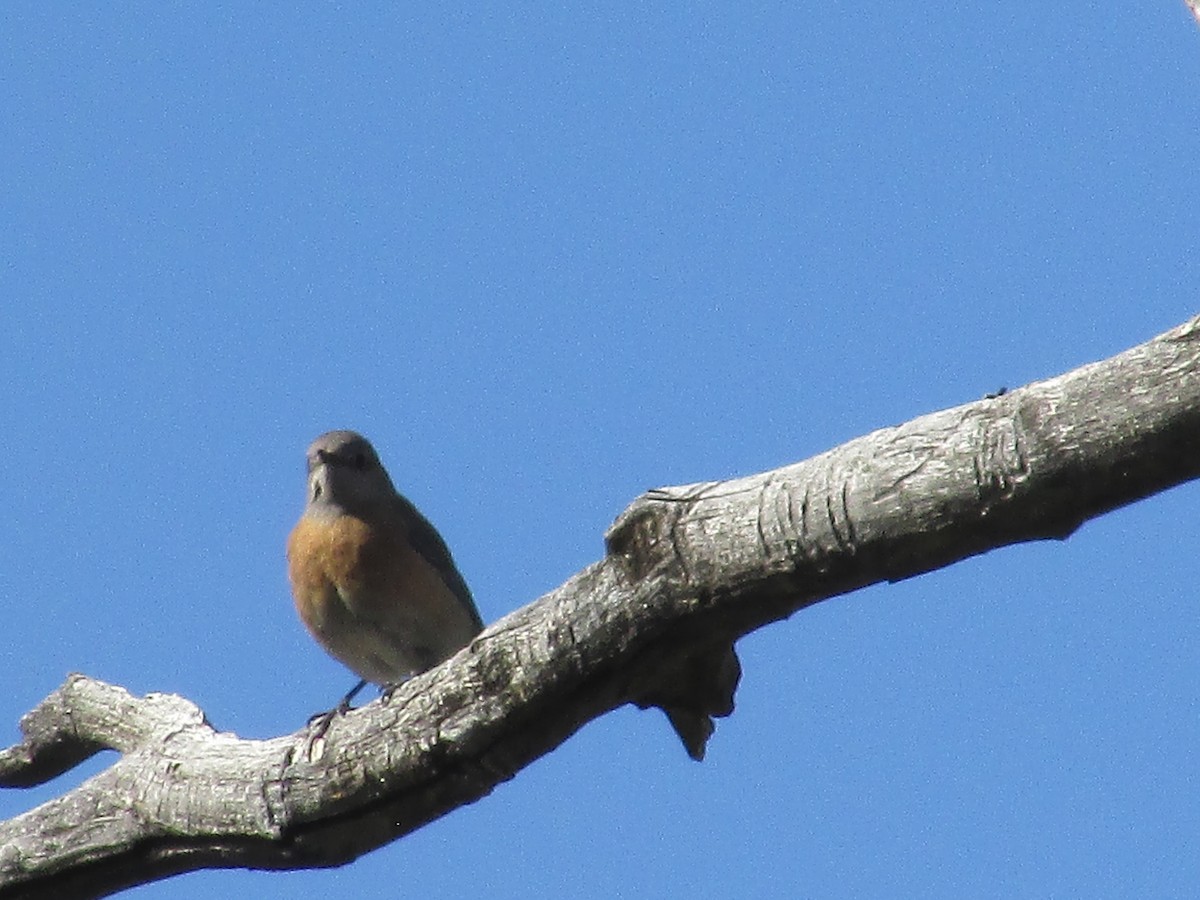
[{"x": 373, "y": 581}]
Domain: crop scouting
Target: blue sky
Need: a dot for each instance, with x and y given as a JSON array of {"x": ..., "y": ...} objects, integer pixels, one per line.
[{"x": 547, "y": 259}]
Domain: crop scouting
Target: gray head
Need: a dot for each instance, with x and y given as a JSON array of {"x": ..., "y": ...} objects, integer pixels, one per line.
[{"x": 344, "y": 474}]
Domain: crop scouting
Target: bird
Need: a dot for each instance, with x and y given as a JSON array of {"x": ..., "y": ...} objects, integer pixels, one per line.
[{"x": 373, "y": 581}]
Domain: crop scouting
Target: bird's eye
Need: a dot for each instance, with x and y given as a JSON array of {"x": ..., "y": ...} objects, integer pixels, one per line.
[{"x": 360, "y": 461}]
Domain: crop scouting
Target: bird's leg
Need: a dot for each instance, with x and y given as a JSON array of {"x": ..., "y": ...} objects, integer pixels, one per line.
[
  {"x": 320, "y": 722},
  {"x": 344, "y": 706}
]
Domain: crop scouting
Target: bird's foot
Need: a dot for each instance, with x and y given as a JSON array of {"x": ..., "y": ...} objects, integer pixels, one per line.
[
  {"x": 319, "y": 723},
  {"x": 386, "y": 691}
]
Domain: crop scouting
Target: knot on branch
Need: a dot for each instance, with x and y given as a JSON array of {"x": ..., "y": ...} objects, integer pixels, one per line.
[
  {"x": 636, "y": 537},
  {"x": 692, "y": 689},
  {"x": 690, "y": 681}
]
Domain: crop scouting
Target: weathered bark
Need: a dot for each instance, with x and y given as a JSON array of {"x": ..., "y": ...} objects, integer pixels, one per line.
[{"x": 688, "y": 570}]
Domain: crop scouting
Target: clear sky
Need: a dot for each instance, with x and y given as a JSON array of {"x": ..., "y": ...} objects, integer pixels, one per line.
[{"x": 546, "y": 260}]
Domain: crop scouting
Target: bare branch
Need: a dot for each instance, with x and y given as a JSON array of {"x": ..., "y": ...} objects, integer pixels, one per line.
[{"x": 689, "y": 569}]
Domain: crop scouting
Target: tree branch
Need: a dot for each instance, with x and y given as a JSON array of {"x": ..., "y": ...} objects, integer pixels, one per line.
[{"x": 688, "y": 570}]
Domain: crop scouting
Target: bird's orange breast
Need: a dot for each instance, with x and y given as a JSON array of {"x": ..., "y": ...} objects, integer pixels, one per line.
[
  {"x": 325, "y": 560},
  {"x": 372, "y": 600}
]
